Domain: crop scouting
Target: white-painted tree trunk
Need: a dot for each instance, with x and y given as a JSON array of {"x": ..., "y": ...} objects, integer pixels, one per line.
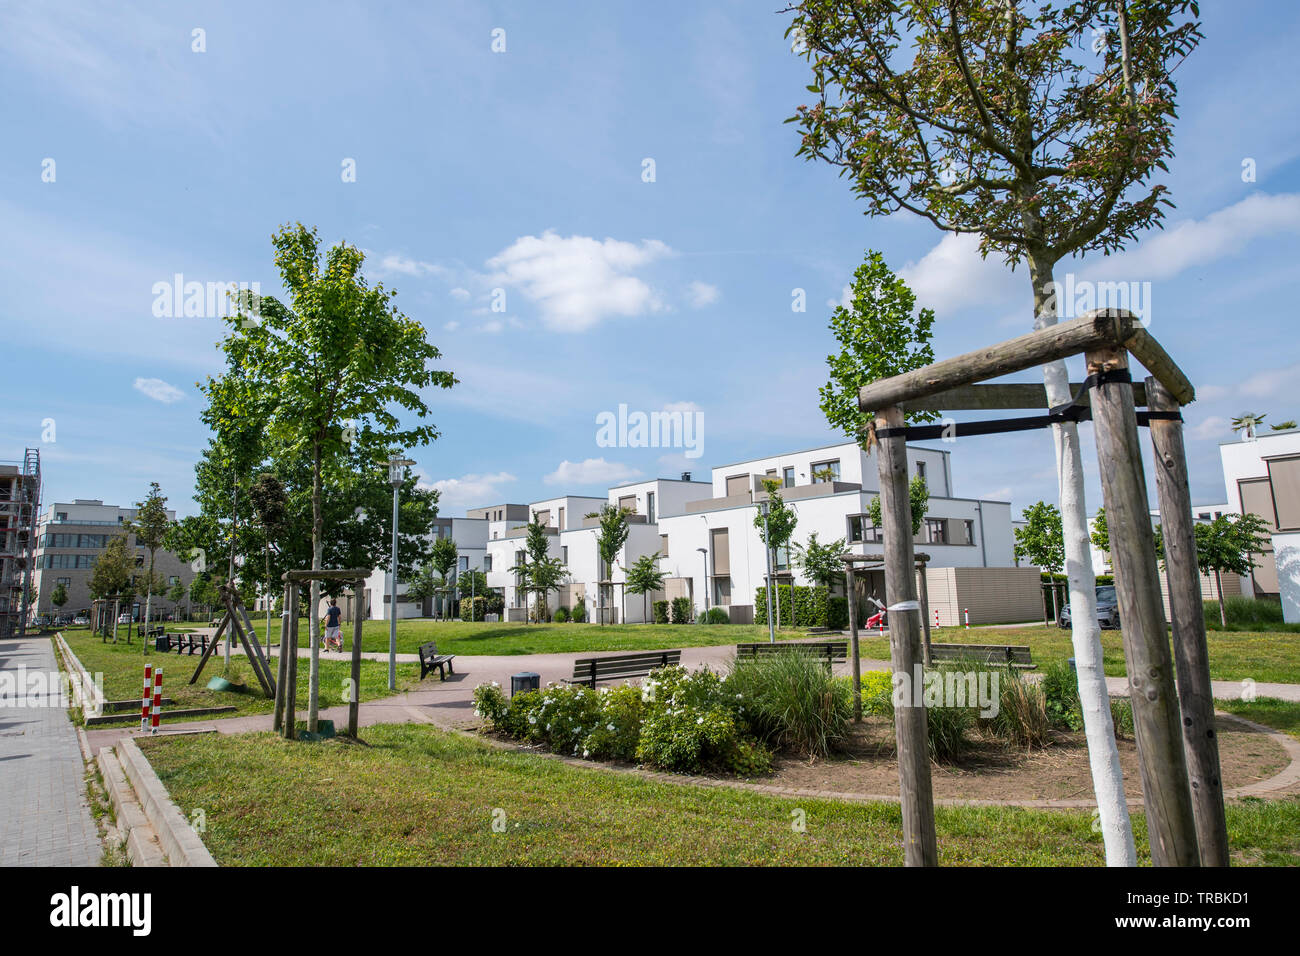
[{"x": 1103, "y": 754}]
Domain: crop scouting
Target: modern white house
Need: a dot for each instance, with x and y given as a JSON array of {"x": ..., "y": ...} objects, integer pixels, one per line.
[
  {"x": 1261, "y": 475},
  {"x": 712, "y": 552},
  {"x": 471, "y": 537}
]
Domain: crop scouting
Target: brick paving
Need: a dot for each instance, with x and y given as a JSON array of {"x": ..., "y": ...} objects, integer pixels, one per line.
[{"x": 44, "y": 817}]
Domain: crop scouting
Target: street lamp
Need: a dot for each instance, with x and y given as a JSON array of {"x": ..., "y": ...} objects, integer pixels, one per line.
[
  {"x": 396, "y": 468},
  {"x": 705, "y": 552},
  {"x": 764, "y": 507}
]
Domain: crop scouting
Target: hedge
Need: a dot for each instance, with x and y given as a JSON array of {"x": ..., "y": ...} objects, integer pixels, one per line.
[{"x": 812, "y": 606}]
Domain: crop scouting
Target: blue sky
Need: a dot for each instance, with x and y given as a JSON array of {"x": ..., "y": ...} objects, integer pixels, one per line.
[{"x": 522, "y": 170}]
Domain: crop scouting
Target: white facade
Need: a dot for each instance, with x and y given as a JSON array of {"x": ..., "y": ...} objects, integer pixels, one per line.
[
  {"x": 1261, "y": 475},
  {"x": 471, "y": 537}
]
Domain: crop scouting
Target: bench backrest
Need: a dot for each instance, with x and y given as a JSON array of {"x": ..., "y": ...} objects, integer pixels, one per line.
[
  {"x": 428, "y": 650},
  {"x": 588, "y": 670},
  {"x": 828, "y": 650},
  {"x": 987, "y": 653}
]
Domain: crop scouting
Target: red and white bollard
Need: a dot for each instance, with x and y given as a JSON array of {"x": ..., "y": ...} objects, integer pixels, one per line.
[
  {"x": 144, "y": 697},
  {"x": 966, "y": 611},
  {"x": 157, "y": 700},
  {"x": 936, "y": 618}
]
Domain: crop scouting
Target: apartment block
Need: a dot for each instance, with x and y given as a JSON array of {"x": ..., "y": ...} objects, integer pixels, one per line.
[
  {"x": 1261, "y": 476},
  {"x": 20, "y": 502},
  {"x": 74, "y": 534}
]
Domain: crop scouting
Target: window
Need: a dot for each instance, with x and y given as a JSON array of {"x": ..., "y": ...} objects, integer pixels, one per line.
[
  {"x": 173, "y": 580},
  {"x": 861, "y": 529},
  {"x": 61, "y": 516},
  {"x": 650, "y": 507},
  {"x": 66, "y": 582},
  {"x": 463, "y": 562},
  {"x": 825, "y": 471},
  {"x": 722, "y": 591},
  {"x": 936, "y": 531},
  {"x": 663, "y": 545},
  {"x": 561, "y": 520},
  {"x": 920, "y": 470},
  {"x": 787, "y": 476},
  {"x": 783, "y": 558},
  {"x": 487, "y": 562},
  {"x": 68, "y": 561},
  {"x": 969, "y": 530},
  {"x": 564, "y": 554},
  {"x": 1203, "y": 516}
]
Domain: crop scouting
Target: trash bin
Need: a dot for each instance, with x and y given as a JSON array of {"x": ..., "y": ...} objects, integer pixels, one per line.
[
  {"x": 1073, "y": 669},
  {"x": 521, "y": 683},
  {"x": 162, "y": 643}
]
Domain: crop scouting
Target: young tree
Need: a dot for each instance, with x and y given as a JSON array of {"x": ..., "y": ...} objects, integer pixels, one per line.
[
  {"x": 1042, "y": 541},
  {"x": 271, "y": 505},
  {"x": 1228, "y": 543},
  {"x": 424, "y": 584},
  {"x": 59, "y": 596},
  {"x": 113, "y": 574},
  {"x": 443, "y": 557},
  {"x": 881, "y": 334},
  {"x": 1101, "y": 531},
  {"x": 176, "y": 594},
  {"x": 332, "y": 365},
  {"x": 820, "y": 562},
  {"x": 995, "y": 120},
  {"x": 775, "y": 531},
  {"x": 539, "y": 572},
  {"x": 918, "y": 498},
  {"x": 610, "y": 538},
  {"x": 645, "y": 576},
  {"x": 150, "y": 527}
]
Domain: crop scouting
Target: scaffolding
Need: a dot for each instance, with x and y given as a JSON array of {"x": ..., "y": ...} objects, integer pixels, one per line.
[{"x": 20, "y": 504}]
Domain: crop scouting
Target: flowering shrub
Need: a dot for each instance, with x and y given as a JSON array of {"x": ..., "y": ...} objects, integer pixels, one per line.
[
  {"x": 678, "y": 721},
  {"x": 878, "y": 694}
]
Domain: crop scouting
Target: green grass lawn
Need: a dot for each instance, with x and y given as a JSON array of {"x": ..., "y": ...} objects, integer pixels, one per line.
[
  {"x": 1262, "y": 656},
  {"x": 1283, "y": 715},
  {"x": 122, "y": 666},
  {"x": 415, "y": 795}
]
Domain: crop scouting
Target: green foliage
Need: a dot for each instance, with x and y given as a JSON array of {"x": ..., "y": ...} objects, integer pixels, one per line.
[
  {"x": 716, "y": 615},
  {"x": 443, "y": 556},
  {"x": 837, "y": 613},
  {"x": 778, "y": 527},
  {"x": 810, "y": 607},
  {"x": 1245, "y": 614},
  {"x": 113, "y": 572},
  {"x": 645, "y": 576},
  {"x": 1022, "y": 715},
  {"x": 878, "y": 694},
  {"x": 479, "y": 606},
  {"x": 881, "y": 333},
  {"x": 1101, "y": 531},
  {"x": 610, "y": 537},
  {"x": 998, "y": 120},
  {"x": 820, "y": 562},
  {"x": 561, "y": 615},
  {"x": 424, "y": 584},
  {"x": 1041, "y": 540},
  {"x": 1225, "y": 545},
  {"x": 682, "y": 610},
  {"x": 1061, "y": 695},
  {"x": 579, "y": 612},
  {"x": 661, "y": 612},
  {"x": 791, "y": 701},
  {"x": 1121, "y": 716},
  {"x": 59, "y": 596},
  {"x": 918, "y": 499}
]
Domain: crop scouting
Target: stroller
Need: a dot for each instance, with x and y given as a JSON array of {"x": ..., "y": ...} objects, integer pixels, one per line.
[{"x": 877, "y": 620}]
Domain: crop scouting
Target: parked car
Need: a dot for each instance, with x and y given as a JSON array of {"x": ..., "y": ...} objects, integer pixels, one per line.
[
  {"x": 80, "y": 621},
  {"x": 1107, "y": 609}
]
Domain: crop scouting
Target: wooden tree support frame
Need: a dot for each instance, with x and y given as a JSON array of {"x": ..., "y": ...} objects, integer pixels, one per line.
[
  {"x": 285, "y": 719},
  {"x": 236, "y": 618},
  {"x": 1174, "y": 722}
]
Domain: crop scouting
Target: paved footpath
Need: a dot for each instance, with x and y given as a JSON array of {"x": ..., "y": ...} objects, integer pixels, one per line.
[{"x": 44, "y": 817}]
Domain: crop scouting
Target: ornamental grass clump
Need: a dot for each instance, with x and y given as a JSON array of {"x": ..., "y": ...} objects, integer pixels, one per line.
[{"x": 791, "y": 701}]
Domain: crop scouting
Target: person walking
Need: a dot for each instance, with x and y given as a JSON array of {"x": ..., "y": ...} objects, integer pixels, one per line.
[{"x": 333, "y": 630}]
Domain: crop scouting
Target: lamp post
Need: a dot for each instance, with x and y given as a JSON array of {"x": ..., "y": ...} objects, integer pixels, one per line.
[
  {"x": 396, "y": 467},
  {"x": 764, "y": 506},
  {"x": 473, "y": 615},
  {"x": 705, "y": 552}
]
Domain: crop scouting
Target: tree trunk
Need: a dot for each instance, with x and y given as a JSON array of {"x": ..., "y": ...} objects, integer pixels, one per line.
[
  {"x": 317, "y": 557},
  {"x": 1103, "y": 754},
  {"x": 1218, "y": 586}
]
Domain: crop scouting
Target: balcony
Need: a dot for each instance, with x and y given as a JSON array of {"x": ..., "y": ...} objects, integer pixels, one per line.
[
  {"x": 594, "y": 522},
  {"x": 816, "y": 490}
]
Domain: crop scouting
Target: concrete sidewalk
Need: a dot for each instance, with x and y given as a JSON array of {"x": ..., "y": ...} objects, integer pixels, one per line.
[{"x": 44, "y": 816}]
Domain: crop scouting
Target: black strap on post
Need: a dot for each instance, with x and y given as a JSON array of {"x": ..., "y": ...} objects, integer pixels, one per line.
[{"x": 1071, "y": 411}]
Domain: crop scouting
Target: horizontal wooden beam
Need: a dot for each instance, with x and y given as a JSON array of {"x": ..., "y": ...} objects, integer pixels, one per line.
[
  {"x": 326, "y": 574},
  {"x": 1009, "y": 395},
  {"x": 1099, "y": 329}
]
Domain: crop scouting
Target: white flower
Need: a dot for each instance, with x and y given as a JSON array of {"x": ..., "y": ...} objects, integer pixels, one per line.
[
  {"x": 586, "y": 753},
  {"x": 700, "y": 720},
  {"x": 610, "y": 726},
  {"x": 532, "y": 718}
]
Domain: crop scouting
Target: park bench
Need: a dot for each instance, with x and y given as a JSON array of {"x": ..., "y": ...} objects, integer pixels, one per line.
[
  {"x": 831, "y": 652},
  {"x": 431, "y": 660},
  {"x": 589, "y": 670},
  {"x": 191, "y": 643},
  {"x": 1011, "y": 654}
]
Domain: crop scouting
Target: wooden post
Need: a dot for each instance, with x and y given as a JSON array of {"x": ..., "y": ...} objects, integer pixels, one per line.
[
  {"x": 925, "y": 611},
  {"x": 290, "y": 650},
  {"x": 354, "y": 702},
  {"x": 852, "y": 588},
  {"x": 1191, "y": 657},
  {"x": 1171, "y": 830},
  {"x": 919, "y": 844},
  {"x": 282, "y": 673}
]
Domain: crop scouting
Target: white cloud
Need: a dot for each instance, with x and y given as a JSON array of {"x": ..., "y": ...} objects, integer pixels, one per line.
[
  {"x": 450, "y": 326},
  {"x": 492, "y": 326},
  {"x": 460, "y": 294},
  {"x": 952, "y": 276},
  {"x": 592, "y": 471},
  {"x": 470, "y": 491},
  {"x": 395, "y": 264},
  {"x": 1215, "y": 426},
  {"x": 158, "y": 390},
  {"x": 578, "y": 281},
  {"x": 700, "y": 294},
  {"x": 1199, "y": 242},
  {"x": 1271, "y": 382}
]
